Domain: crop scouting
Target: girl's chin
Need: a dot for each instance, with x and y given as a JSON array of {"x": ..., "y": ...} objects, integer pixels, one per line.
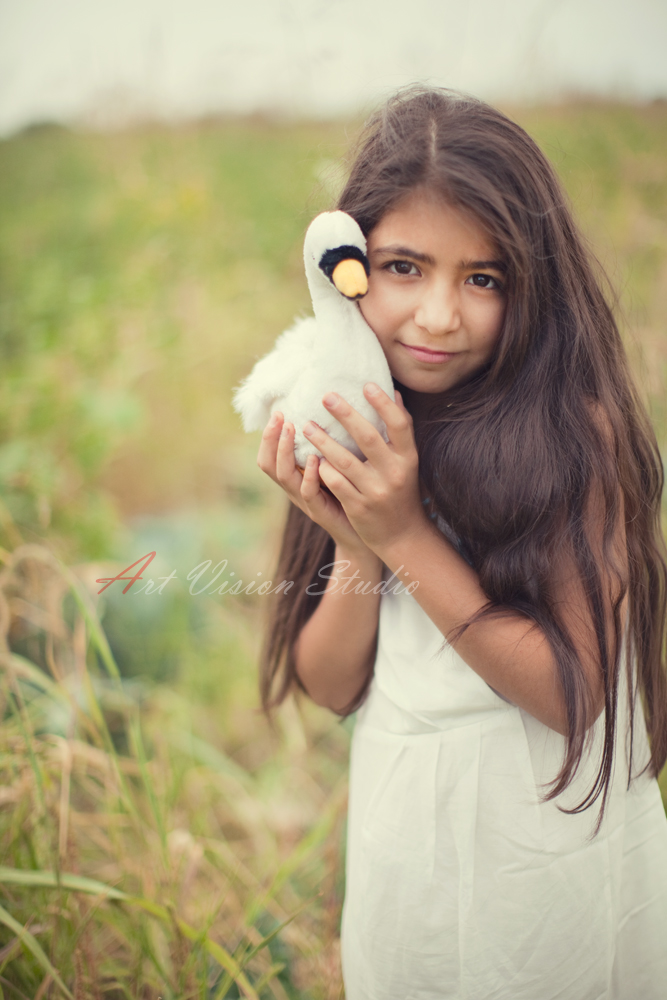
[
  {"x": 420, "y": 387},
  {"x": 422, "y": 383}
]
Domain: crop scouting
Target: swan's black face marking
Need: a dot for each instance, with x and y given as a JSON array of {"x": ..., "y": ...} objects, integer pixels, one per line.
[{"x": 330, "y": 258}]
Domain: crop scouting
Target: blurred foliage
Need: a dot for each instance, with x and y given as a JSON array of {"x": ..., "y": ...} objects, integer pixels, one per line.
[
  {"x": 141, "y": 273},
  {"x": 613, "y": 163}
]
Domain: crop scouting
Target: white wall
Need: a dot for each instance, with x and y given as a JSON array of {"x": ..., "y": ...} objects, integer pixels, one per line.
[{"x": 108, "y": 60}]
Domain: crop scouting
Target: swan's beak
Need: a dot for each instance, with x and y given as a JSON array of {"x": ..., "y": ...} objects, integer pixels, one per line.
[{"x": 350, "y": 278}]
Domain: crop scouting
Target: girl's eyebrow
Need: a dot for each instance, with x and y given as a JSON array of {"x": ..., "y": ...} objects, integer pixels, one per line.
[
  {"x": 483, "y": 265},
  {"x": 425, "y": 258},
  {"x": 399, "y": 251}
]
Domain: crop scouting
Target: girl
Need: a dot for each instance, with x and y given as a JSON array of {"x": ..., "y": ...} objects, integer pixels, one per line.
[{"x": 506, "y": 837}]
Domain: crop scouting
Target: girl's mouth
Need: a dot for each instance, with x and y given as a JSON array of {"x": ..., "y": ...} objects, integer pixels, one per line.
[{"x": 432, "y": 357}]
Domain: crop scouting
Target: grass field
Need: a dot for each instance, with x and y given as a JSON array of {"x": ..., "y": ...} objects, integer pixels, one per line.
[{"x": 156, "y": 833}]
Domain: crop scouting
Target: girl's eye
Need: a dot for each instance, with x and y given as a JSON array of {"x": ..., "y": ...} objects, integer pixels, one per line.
[
  {"x": 403, "y": 267},
  {"x": 483, "y": 281}
]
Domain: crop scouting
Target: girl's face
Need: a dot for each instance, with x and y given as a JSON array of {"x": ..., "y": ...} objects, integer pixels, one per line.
[{"x": 435, "y": 293}]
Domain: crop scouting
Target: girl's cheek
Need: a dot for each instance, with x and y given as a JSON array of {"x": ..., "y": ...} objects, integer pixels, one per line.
[
  {"x": 488, "y": 314},
  {"x": 385, "y": 305},
  {"x": 371, "y": 311}
]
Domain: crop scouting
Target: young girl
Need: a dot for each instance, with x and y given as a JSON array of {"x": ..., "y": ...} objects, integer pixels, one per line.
[{"x": 506, "y": 837}]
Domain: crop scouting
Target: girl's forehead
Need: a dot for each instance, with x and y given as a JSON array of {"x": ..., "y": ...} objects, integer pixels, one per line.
[{"x": 424, "y": 218}]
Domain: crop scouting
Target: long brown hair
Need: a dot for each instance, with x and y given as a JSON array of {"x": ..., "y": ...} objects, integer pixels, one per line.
[{"x": 512, "y": 458}]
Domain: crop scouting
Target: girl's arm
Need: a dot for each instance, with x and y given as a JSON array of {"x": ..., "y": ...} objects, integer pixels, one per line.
[
  {"x": 510, "y": 653},
  {"x": 335, "y": 651},
  {"x": 382, "y": 502}
]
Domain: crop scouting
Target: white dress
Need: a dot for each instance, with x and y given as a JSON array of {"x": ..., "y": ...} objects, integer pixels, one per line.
[{"x": 461, "y": 883}]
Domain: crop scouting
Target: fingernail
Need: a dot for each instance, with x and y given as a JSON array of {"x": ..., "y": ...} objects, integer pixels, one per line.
[
  {"x": 283, "y": 432},
  {"x": 274, "y": 420},
  {"x": 330, "y": 399},
  {"x": 371, "y": 388},
  {"x": 309, "y": 428}
]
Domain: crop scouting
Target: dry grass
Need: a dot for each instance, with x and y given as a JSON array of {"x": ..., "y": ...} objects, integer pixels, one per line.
[{"x": 140, "y": 857}]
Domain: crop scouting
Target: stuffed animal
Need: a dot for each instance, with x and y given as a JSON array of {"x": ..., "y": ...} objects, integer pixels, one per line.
[{"x": 334, "y": 351}]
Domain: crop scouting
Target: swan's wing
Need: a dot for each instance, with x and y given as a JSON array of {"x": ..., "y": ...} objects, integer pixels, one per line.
[{"x": 274, "y": 375}]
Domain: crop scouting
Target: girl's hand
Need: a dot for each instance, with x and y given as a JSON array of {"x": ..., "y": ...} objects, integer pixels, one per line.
[
  {"x": 380, "y": 496},
  {"x": 276, "y": 459}
]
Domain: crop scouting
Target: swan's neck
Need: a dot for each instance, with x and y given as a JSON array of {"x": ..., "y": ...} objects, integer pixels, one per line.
[{"x": 334, "y": 312}]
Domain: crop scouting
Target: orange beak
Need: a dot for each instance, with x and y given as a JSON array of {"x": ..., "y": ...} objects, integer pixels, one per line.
[{"x": 350, "y": 279}]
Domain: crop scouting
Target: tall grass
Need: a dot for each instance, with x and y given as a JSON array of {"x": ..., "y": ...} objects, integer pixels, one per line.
[
  {"x": 154, "y": 831},
  {"x": 149, "y": 846}
]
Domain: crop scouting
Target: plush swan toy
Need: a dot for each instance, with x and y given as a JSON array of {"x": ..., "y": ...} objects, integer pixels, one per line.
[{"x": 334, "y": 351}]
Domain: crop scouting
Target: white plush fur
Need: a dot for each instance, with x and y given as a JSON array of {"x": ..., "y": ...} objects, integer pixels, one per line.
[{"x": 334, "y": 351}]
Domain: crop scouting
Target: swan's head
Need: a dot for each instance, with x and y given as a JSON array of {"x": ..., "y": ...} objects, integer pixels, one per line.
[{"x": 336, "y": 247}]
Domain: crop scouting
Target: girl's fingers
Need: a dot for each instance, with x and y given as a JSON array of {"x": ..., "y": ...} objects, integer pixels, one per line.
[
  {"x": 276, "y": 459},
  {"x": 397, "y": 419},
  {"x": 287, "y": 474},
  {"x": 342, "y": 459},
  {"x": 321, "y": 504},
  {"x": 310, "y": 486},
  {"x": 368, "y": 438},
  {"x": 339, "y": 484},
  {"x": 266, "y": 456}
]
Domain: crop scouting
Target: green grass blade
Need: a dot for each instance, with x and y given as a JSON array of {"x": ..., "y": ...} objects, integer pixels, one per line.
[
  {"x": 26, "y": 669},
  {"x": 21, "y": 716},
  {"x": 34, "y": 946},
  {"x": 140, "y": 754},
  {"x": 97, "y": 635},
  {"x": 203, "y": 753},
  {"x": 316, "y": 836},
  {"x": 223, "y": 958},
  {"x": 269, "y": 975},
  {"x": 276, "y": 931},
  {"x": 78, "y": 883},
  {"x": 250, "y": 954},
  {"x": 45, "y": 879}
]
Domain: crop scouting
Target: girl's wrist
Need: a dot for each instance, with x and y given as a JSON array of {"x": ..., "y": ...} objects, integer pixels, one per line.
[
  {"x": 395, "y": 548},
  {"x": 359, "y": 556},
  {"x": 352, "y": 572}
]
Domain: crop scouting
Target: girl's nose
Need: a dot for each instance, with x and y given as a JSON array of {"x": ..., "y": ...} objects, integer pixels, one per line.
[{"x": 438, "y": 310}]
